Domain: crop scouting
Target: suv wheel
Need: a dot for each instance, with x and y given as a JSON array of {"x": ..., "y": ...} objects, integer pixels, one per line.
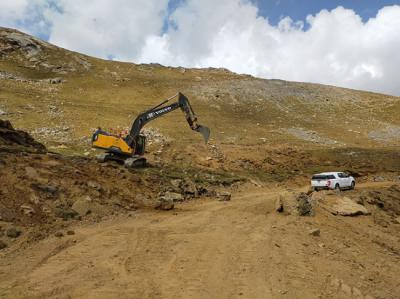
[
  {"x": 353, "y": 184},
  {"x": 337, "y": 187}
]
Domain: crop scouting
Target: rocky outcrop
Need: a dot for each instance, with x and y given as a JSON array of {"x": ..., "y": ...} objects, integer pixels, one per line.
[
  {"x": 12, "y": 140},
  {"x": 338, "y": 204},
  {"x": 31, "y": 52}
]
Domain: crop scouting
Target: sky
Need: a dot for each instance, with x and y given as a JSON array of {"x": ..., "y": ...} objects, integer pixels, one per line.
[{"x": 353, "y": 43}]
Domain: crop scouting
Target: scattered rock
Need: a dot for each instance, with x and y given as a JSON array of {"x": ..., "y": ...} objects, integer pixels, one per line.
[
  {"x": 173, "y": 196},
  {"x": 189, "y": 188},
  {"x": 144, "y": 201},
  {"x": 13, "y": 232},
  {"x": 2, "y": 245},
  {"x": 34, "y": 199},
  {"x": 255, "y": 183},
  {"x": 65, "y": 213},
  {"x": 70, "y": 233},
  {"x": 379, "y": 179},
  {"x": 28, "y": 210},
  {"x": 59, "y": 234},
  {"x": 57, "y": 80},
  {"x": 45, "y": 188},
  {"x": 94, "y": 185},
  {"x": 397, "y": 220},
  {"x": 315, "y": 232},
  {"x": 6, "y": 214},
  {"x": 224, "y": 196},
  {"x": 83, "y": 206},
  {"x": 165, "y": 204},
  {"x": 279, "y": 205},
  {"x": 177, "y": 183}
]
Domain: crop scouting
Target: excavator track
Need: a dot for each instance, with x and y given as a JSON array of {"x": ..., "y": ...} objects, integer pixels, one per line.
[
  {"x": 135, "y": 162},
  {"x": 130, "y": 162}
]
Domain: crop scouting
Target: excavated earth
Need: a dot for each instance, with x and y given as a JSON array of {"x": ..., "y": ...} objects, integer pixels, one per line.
[
  {"x": 73, "y": 228},
  {"x": 41, "y": 191}
]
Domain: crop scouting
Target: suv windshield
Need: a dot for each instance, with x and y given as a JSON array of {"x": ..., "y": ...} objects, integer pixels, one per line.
[{"x": 320, "y": 177}]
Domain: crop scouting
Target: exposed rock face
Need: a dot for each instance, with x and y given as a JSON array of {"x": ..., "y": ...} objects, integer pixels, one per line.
[
  {"x": 34, "y": 53},
  {"x": 11, "y": 40},
  {"x": 13, "y": 140},
  {"x": 338, "y": 204},
  {"x": 344, "y": 206}
]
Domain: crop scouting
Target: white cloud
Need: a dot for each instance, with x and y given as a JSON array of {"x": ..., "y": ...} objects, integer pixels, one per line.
[
  {"x": 336, "y": 47},
  {"x": 102, "y": 28},
  {"x": 26, "y": 15},
  {"x": 12, "y": 11}
]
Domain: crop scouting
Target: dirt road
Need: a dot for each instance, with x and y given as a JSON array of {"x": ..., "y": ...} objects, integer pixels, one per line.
[{"x": 211, "y": 249}]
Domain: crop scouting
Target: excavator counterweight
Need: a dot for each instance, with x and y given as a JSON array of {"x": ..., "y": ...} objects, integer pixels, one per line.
[{"x": 130, "y": 149}]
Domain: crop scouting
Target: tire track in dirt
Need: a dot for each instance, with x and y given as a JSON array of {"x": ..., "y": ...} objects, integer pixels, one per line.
[{"x": 204, "y": 249}]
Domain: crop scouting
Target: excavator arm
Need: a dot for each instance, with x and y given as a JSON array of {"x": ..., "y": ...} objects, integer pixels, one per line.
[
  {"x": 131, "y": 148},
  {"x": 162, "y": 109}
]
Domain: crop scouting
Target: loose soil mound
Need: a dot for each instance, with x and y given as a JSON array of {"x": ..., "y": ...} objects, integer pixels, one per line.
[{"x": 12, "y": 140}]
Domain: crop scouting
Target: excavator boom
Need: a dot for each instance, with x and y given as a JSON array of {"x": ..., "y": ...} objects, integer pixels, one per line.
[{"x": 163, "y": 109}]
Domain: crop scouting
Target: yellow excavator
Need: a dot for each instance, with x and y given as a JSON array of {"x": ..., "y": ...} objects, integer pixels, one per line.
[{"x": 130, "y": 149}]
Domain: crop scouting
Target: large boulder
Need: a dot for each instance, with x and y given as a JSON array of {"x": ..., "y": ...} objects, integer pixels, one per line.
[
  {"x": 165, "y": 204},
  {"x": 300, "y": 204},
  {"x": 340, "y": 205}
]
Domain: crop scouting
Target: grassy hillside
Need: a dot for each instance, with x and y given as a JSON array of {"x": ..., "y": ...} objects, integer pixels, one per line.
[{"x": 244, "y": 113}]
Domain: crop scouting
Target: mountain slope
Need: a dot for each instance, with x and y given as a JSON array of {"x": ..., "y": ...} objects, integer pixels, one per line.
[{"x": 242, "y": 111}]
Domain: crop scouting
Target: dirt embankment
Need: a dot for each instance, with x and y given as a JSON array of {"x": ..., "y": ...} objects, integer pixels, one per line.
[
  {"x": 43, "y": 192},
  {"x": 12, "y": 140}
]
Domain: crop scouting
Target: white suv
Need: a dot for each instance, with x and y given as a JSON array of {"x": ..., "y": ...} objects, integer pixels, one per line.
[{"x": 332, "y": 180}]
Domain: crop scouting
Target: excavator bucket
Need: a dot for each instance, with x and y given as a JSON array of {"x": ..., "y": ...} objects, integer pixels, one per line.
[{"x": 205, "y": 131}]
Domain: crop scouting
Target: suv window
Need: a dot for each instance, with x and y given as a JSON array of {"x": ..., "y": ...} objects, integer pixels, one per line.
[
  {"x": 321, "y": 177},
  {"x": 341, "y": 175}
]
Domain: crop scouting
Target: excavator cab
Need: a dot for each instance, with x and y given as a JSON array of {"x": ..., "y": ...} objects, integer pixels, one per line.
[{"x": 130, "y": 149}]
